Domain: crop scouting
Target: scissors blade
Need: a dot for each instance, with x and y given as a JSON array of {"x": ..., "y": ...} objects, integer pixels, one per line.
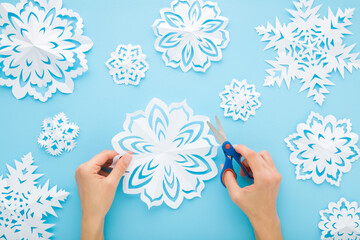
[
  {"x": 220, "y": 128},
  {"x": 217, "y": 134}
]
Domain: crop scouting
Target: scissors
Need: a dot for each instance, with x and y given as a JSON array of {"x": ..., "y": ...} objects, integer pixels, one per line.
[{"x": 229, "y": 151}]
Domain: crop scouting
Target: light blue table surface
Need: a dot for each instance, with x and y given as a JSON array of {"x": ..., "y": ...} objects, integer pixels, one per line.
[{"x": 99, "y": 107}]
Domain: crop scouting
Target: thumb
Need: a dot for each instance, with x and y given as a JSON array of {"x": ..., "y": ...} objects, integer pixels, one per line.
[
  {"x": 120, "y": 167},
  {"x": 232, "y": 186}
]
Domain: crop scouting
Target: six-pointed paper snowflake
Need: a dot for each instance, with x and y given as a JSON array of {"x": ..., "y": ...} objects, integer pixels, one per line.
[
  {"x": 323, "y": 149},
  {"x": 24, "y": 203},
  {"x": 41, "y": 48},
  {"x": 58, "y": 134},
  {"x": 309, "y": 48},
  {"x": 191, "y": 34},
  {"x": 239, "y": 100},
  {"x": 341, "y": 221},
  {"x": 173, "y": 153},
  {"x": 127, "y": 64}
]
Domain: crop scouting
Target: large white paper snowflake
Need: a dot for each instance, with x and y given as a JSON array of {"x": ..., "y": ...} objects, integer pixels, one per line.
[
  {"x": 191, "y": 34},
  {"x": 341, "y": 221},
  {"x": 41, "y": 48},
  {"x": 239, "y": 100},
  {"x": 323, "y": 148},
  {"x": 58, "y": 134},
  {"x": 24, "y": 204},
  {"x": 173, "y": 153},
  {"x": 309, "y": 48},
  {"x": 127, "y": 64}
]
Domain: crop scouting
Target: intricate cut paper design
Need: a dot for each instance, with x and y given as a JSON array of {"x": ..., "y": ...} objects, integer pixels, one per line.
[
  {"x": 323, "y": 148},
  {"x": 191, "y": 34},
  {"x": 58, "y": 134},
  {"x": 24, "y": 203},
  {"x": 239, "y": 100},
  {"x": 127, "y": 64},
  {"x": 173, "y": 153},
  {"x": 309, "y": 48},
  {"x": 341, "y": 221},
  {"x": 41, "y": 48}
]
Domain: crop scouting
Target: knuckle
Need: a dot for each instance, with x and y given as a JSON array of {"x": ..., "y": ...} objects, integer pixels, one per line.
[{"x": 235, "y": 196}]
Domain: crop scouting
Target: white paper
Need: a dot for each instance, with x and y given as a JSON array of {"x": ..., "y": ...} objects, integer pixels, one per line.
[
  {"x": 173, "y": 153},
  {"x": 127, "y": 64},
  {"x": 42, "y": 48},
  {"x": 309, "y": 48},
  {"x": 239, "y": 100},
  {"x": 323, "y": 148},
  {"x": 58, "y": 134},
  {"x": 191, "y": 34},
  {"x": 24, "y": 203},
  {"x": 341, "y": 221}
]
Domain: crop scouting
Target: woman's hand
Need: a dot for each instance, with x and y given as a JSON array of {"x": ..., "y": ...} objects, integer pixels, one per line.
[
  {"x": 258, "y": 201},
  {"x": 97, "y": 190}
]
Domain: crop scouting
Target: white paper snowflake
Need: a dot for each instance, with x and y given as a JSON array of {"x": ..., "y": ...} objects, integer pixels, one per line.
[
  {"x": 41, "y": 48},
  {"x": 24, "y": 204},
  {"x": 323, "y": 148},
  {"x": 58, "y": 134},
  {"x": 191, "y": 34},
  {"x": 239, "y": 100},
  {"x": 127, "y": 64},
  {"x": 309, "y": 48},
  {"x": 341, "y": 221},
  {"x": 173, "y": 153}
]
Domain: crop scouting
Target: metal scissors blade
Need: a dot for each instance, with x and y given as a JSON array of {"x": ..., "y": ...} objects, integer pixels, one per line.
[{"x": 219, "y": 133}]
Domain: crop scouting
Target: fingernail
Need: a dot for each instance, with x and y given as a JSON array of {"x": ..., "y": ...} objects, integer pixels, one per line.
[{"x": 127, "y": 159}]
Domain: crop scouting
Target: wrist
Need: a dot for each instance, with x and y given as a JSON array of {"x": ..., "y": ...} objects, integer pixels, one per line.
[
  {"x": 267, "y": 227},
  {"x": 92, "y": 227}
]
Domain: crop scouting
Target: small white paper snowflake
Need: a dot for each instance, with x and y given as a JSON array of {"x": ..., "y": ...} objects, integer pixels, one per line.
[
  {"x": 341, "y": 221},
  {"x": 309, "y": 48},
  {"x": 42, "y": 48},
  {"x": 173, "y": 153},
  {"x": 239, "y": 100},
  {"x": 191, "y": 34},
  {"x": 58, "y": 134},
  {"x": 323, "y": 149},
  {"x": 127, "y": 64},
  {"x": 24, "y": 204}
]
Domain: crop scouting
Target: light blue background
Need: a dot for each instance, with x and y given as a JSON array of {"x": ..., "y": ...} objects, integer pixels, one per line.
[{"x": 99, "y": 107}]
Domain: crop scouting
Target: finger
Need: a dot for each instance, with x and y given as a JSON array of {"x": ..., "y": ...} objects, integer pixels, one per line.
[
  {"x": 101, "y": 158},
  {"x": 266, "y": 156},
  {"x": 120, "y": 168},
  {"x": 255, "y": 161},
  {"x": 232, "y": 186}
]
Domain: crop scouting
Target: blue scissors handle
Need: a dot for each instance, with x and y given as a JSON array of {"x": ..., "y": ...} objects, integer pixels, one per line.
[{"x": 230, "y": 154}]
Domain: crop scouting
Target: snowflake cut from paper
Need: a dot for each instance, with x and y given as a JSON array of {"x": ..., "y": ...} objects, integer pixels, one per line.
[
  {"x": 173, "y": 153},
  {"x": 41, "y": 48},
  {"x": 309, "y": 49},
  {"x": 191, "y": 34},
  {"x": 58, "y": 134},
  {"x": 341, "y": 221},
  {"x": 127, "y": 64},
  {"x": 323, "y": 148},
  {"x": 239, "y": 100},
  {"x": 24, "y": 204}
]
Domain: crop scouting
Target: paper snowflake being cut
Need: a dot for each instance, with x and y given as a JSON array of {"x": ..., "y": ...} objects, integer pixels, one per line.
[
  {"x": 239, "y": 100},
  {"x": 323, "y": 149},
  {"x": 341, "y": 221},
  {"x": 309, "y": 48},
  {"x": 127, "y": 64},
  {"x": 173, "y": 153},
  {"x": 24, "y": 203},
  {"x": 41, "y": 48},
  {"x": 191, "y": 34},
  {"x": 58, "y": 134}
]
